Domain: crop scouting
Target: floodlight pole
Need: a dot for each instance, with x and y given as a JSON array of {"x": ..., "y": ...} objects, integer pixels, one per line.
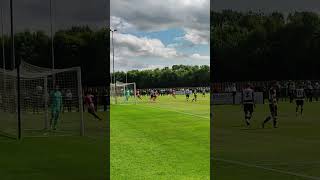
[
  {"x": 114, "y": 75},
  {"x": 2, "y": 42},
  {"x": 12, "y": 36},
  {"x": 18, "y": 70},
  {"x": 52, "y": 44},
  {"x": 127, "y": 77}
]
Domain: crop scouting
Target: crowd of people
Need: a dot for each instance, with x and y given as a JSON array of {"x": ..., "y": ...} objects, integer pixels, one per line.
[{"x": 285, "y": 89}]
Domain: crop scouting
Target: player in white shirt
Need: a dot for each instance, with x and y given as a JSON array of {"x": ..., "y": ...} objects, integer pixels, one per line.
[
  {"x": 187, "y": 94},
  {"x": 248, "y": 103},
  {"x": 300, "y": 96}
]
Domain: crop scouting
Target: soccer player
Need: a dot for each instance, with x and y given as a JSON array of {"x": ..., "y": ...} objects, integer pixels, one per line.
[
  {"x": 273, "y": 106},
  {"x": 153, "y": 95},
  {"x": 203, "y": 92},
  {"x": 69, "y": 100},
  {"x": 194, "y": 95},
  {"x": 248, "y": 103},
  {"x": 127, "y": 95},
  {"x": 300, "y": 96},
  {"x": 174, "y": 93},
  {"x": 292, "y": 89},
  {"x": 309, "y": 92},
  {"x": 56, "y": 107},
  {"x": 187, "y": 94},
  {"x": 138, "y": 94},
  {"x": 90, "y": 105}
]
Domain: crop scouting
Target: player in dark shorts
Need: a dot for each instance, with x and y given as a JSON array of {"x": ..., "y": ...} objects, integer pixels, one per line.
[
  {"x": 273, "y": 106},
  {"x": 194, "y": 95},
  {"x": 248, "y": 103},
  {"x": 90, "y": 105},
  {"x": 153, "y": 95},
  {"x": 187, "y": 94},
  {"x": 174, "y": 93},
  {"x": 203, "y": 92},
  {"x": 300, "y": 96},
  {"x": 138, "y": 94}
]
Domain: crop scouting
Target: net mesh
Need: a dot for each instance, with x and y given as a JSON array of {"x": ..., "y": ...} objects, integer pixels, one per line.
[
  {"x": 122, "y": 93},
  {"x": 37, "y": 86}
]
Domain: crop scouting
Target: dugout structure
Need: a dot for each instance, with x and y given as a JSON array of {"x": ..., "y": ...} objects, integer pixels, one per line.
[
  {"x": 36, "y": 87},
  {"x": 123, "y": 93}
]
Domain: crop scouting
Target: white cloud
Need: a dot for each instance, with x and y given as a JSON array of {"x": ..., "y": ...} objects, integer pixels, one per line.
[
  {"x": 120, "y": 24},
  {"x": 197, "y": 37},
  {"x": 199, "y": 57},
  {"x": 131, "y": 52},
  {"x": 128, "y": 45},
  {"x": 151, "y": 15}
]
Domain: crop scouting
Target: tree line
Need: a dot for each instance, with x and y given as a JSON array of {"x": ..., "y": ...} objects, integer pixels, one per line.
[
  {"x": 168, "y": 77},
  {"x": 265, "y": 46},
  {"x": 77, "y": 46}
]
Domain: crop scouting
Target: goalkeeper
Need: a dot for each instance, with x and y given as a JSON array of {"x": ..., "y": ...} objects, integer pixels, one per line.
[
  {"x": 127, "y": 95},
  {"x": 56, "y": 107}
]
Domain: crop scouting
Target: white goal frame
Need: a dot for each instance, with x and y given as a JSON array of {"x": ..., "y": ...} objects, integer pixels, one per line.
[
  {"x": 31, "y": 73},
  {"x": 115, "y": 94}
]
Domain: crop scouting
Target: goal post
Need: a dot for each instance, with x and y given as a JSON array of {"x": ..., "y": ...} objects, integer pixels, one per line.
[
  {"x": 38, "y": 109},
  {"x": 123, "y": 93}
]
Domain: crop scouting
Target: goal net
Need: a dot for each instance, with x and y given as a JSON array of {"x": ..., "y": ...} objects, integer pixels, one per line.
[
  {"x": 37, "y": 87},
  {"x": 123, "y": 93}
]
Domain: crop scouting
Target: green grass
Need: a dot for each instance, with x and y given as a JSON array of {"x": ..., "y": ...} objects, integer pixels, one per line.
[
  {"x": 52, "y": 157},
  {"x": 167, "y": 139},
  {"x": 254, "y": 153}
]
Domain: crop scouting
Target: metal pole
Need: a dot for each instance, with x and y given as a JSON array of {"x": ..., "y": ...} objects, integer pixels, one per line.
[
  {"x": 18, "y": 70},
  {"x": 52, "y": 38},
  {"x": 2, "y": 41},
  {"x": 126, "y": 77},
  {"x": 52, "y": 44},
  {"x": 114, "y": 75},
  {"x": 12, "y": 36},
  {"x": 3, "y": 59}
]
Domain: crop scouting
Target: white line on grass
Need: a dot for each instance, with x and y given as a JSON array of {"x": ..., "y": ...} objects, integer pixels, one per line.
[
  {"x": 181, "y": 112},
  {"x": 267, "y": 169}
]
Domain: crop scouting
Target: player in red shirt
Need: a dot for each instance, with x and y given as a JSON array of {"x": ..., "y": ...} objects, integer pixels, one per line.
[{"x": 90, "y": 104}]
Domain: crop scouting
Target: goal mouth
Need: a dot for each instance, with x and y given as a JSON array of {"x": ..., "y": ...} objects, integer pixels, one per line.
[
  {"x": 123, "y": 93},
  {"x": 48, "y": 98}
]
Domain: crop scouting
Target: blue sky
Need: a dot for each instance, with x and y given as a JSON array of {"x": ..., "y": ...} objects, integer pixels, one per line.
[{"x": 156, "y": 35}]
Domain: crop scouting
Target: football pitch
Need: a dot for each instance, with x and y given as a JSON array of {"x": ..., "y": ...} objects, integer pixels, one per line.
[
  {"x": 290, "y": 152},
  {"x": 53, "y": 157},
  {"x": 166, "y": 139}
]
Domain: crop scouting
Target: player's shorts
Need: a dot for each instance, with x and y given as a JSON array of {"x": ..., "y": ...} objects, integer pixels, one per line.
[
  {"x": 187, "y": 95},
  {"x": 248, "y": 108},
  {"x": 299, "y": 102},
  {"x": 273, "y": 109}
]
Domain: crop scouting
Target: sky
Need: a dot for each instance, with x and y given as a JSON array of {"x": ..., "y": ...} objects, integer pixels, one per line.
[{"x": 156, "y": 34}]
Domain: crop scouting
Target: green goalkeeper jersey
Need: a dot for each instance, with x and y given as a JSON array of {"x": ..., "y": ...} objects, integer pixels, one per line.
[
  {"x": 56, "y": 98},
  {"x": 127, "y": 93}
]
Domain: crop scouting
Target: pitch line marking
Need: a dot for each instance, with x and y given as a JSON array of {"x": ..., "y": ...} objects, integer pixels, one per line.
[
  {"x": 267, "y": 169},
  {"x": 181, "y": 112}
]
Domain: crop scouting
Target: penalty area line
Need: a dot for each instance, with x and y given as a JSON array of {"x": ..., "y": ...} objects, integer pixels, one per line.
[
  {"x": 267, "y": 169},
  {"x": 180, "y": 112}
]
